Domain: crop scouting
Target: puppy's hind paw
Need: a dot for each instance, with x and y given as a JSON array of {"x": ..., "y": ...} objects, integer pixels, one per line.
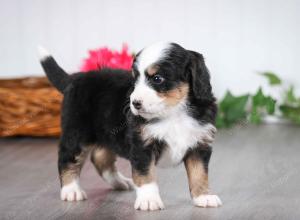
[
  {"x": 123, "y": 183},
  {"x": 118, "y": 181},
  {"x": 207, "y": 201}
]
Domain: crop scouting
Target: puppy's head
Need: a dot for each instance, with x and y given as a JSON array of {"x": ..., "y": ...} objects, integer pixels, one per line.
[{"x": 166, "y": 76}]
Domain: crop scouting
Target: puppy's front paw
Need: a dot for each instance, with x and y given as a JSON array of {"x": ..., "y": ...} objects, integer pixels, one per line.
[
  {"x": 148, "y": 198},
  {"x": 207, "y": 201},
  {"x": 72, "y": 192},
  {"x": 118, "y": 181},
  {"x": 150, "y": 203}
]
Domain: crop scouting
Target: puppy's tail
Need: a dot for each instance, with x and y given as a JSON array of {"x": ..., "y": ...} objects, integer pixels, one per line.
[{"x": 56, "y": 75}]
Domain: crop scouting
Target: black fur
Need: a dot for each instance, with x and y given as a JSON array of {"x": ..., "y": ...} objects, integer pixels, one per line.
[
  {"x": 95, "y": 109},
  {"x": 199, "y": 77},
  {"x": 57, "y": 76}
]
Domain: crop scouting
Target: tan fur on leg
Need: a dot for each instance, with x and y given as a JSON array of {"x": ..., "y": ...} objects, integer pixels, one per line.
[
  {"x": 198, "y": 183},
  {"x": 103, "y": 159},
  {"x": 73, "y": 170},
  {"x": 197, "y": 176},
  {"x": 69, "y": 177}
]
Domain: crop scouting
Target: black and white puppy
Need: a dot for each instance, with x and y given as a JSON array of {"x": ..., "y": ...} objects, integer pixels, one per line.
[{"x": 162, "y": 113}]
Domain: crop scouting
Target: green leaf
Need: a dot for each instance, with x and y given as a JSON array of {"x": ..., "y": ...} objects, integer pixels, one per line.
[
  {"x": 290, "y": 96},
  {"x": 255, "y": 118},
  {"x": 270, "y": 105},
  {"x": 259, "y": 98},
  {"x": 291, "y": 112},
  {"x": 232, "y": 109},
  {"x": 261, "y": 105},
  {"x": 272, "y": 78}
]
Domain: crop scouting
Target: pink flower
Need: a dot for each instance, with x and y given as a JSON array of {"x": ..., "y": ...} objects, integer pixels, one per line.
[{"x": 106, "y": 58}]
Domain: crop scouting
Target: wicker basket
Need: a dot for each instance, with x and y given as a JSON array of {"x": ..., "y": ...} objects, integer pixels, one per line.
[{"x": 29, "y": 107}]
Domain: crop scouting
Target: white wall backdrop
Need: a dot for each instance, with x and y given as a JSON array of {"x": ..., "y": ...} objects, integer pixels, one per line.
[{"x": 237, "y": 37}]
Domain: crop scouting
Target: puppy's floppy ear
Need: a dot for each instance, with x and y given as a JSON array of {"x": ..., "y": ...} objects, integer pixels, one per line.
[{"x": 199, "y": 78}]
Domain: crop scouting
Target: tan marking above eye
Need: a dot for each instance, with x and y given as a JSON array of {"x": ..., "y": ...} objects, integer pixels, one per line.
[
  {"x": 152, "y": 70},
  {"x": 174, "y": 96}
]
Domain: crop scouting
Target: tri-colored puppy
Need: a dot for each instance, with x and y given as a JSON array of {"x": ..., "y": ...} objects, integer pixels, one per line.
[{"x": 161, "y": 113}]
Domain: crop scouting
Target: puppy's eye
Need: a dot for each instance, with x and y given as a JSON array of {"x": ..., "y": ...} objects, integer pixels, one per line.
[{"x": 157, "y": 79}]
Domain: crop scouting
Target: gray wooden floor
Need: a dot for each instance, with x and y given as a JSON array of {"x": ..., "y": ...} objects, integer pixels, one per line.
[{"x": 254, "y": 170}]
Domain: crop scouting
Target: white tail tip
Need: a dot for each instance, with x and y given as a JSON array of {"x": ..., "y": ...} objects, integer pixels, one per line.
[{"x": 43, "y": 53}]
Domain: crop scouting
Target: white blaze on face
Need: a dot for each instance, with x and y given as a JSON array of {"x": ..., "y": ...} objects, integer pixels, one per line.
[{"x": 152, "y": 104}]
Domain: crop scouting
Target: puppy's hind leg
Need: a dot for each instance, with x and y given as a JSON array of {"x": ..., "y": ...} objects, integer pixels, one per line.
[
  {"x": 70, "y": 162},
  {"x": 104, "y": 162}
]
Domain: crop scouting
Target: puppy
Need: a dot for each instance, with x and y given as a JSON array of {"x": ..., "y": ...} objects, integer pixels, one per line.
[{"x": 162, "y": 113}]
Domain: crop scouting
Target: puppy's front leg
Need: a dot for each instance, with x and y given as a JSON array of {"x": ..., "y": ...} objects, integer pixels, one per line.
[
  {"x": 196, "y": 164},
  {"x": 147, "y": 191}
]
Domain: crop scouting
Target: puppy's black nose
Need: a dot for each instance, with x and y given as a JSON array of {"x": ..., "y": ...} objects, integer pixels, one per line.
[{"x": 137, "y": 104}]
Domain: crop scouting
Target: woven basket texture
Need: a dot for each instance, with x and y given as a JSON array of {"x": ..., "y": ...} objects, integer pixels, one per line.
[{"x": 29, "y": 107}]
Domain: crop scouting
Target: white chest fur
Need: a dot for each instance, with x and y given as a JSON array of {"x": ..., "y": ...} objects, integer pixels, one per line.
[{"x": 180, "y": 132}]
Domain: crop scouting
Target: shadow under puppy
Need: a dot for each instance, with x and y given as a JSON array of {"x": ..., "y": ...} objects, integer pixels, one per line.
[{"x": 162, "y": 113}]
